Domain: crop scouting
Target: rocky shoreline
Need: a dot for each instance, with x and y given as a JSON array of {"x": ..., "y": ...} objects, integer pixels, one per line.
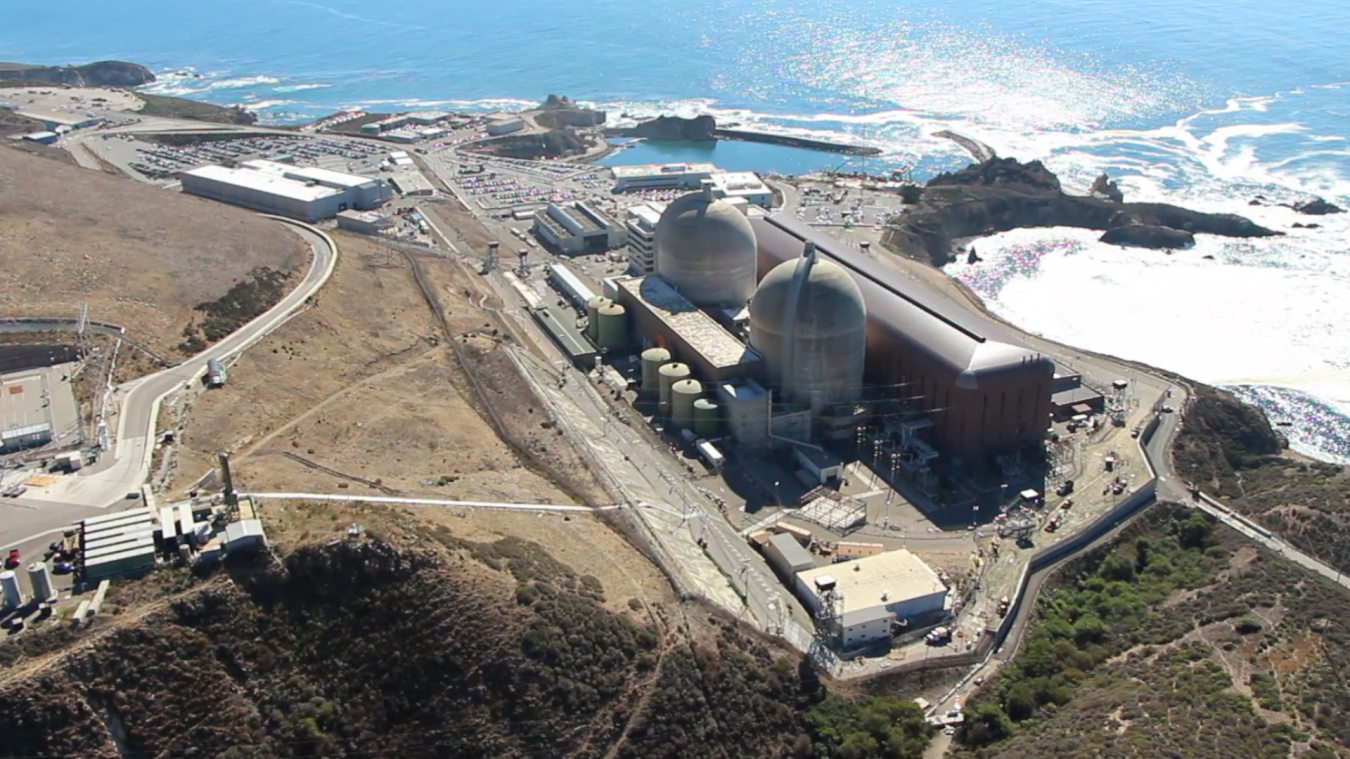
[
  {"x": 1002, "y": 194},
  {"x": 97, "y": 74}
]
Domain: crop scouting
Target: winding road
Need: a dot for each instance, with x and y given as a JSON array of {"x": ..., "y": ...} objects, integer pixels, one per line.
[{"x": 125, "y": 468}]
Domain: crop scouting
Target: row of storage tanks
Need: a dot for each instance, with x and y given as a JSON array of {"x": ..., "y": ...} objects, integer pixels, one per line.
[
  {"x": 11, "y": 595},
  {"x": 678, "y": 394},
  {"x": 606, "y": 323}
]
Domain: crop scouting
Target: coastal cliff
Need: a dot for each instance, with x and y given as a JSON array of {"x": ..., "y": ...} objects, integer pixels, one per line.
[
  {"x": 97, "y": 74},
  {"x": 1003, "y": 194}
]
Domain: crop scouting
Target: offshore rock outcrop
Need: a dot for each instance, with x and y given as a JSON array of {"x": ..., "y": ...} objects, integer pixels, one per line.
[
  {"x": 1148, "y": 236},
  {"x": 678, "y": 128},
  {"x": 1104, "y": 187},
  {"x": 97, "y": 74},
  {"x": 1003, "y": 194},
  {"x": 1317, "y": 207},
  {"x": 558, "y": 111}
]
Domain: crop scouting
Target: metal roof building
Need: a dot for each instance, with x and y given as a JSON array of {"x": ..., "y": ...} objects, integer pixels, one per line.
[
  {"x": 983, "y": 392},
  {"x": 662, "y": 315},
  {"x": 117, "y": 544},
  {"x": 579, "y": 228},
  {"x": 896, "y": 584},
  {"x": 19, "y": 438},
  {"x": 304, "y": 193},
  {"x": 661, "y": 176}
]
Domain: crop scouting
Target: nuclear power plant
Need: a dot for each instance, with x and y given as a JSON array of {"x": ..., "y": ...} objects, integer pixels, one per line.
[{"x": 760, "y": 327}]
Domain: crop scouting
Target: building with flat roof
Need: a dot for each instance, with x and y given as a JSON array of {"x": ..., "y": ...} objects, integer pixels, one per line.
[
  {"x": 364, "y": 222},
  {"x": 568, "y": 283},
  {"x": 53, "y": 121},
  {"x": 117, "y": 544},
  {"x": 663, "y": 316},
  {"x": 661, "y": 176},
  {"x": 578, "y": 228},
  {"x": 892, "y": 585},
  {"x": 20, "y": 438},
  {"x": 42, "y": 138},
  {"x": 742, "y": 184},
  {"x": 304, "y": 193},
  {"x": 641, "y": 223},
  {"x": 787, "y": 556},
  {"x": 504, "y": 125}
]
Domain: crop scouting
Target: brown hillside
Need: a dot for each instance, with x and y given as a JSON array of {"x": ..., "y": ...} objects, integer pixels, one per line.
[
  {"x": 361, "y": 649},
  {"x": 140, "y": 257}
]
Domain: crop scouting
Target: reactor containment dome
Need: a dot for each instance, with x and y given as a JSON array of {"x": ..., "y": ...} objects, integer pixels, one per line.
[
  {"x": 809, "y": 322},
  {"x": 705, "y": 248}
]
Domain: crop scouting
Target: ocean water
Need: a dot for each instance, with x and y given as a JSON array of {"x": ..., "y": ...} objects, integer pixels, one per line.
[{"x": 1206, "y": 103}]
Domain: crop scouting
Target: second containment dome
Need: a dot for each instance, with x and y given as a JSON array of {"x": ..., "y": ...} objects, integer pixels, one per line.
[{"x": 808, "y": 320}]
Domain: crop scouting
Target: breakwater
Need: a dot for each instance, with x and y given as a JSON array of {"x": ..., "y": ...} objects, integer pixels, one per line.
[{"x": 795, "y": 142}]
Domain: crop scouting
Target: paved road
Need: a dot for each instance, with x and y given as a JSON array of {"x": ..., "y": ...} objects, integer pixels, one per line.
[
  {"x": 28, "y": 523},
  {"x": 429, "y": 502}
]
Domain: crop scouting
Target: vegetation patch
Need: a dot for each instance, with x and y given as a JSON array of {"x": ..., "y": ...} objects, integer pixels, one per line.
[
  {"x": 246, "y": 300},
  {"x": 1171, "y": 642},
  {"x": 182, "y": 108},
  {"x": 1232, "y": 452}
]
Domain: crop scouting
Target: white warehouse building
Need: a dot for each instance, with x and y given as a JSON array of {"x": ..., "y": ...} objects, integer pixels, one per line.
[
  {"x": 578, "y": 228},
  {"x": 869, "y": 593},
  {"x": 661, "y": 176},
  {"x": 742, "y": 184},
  {"x": 303, "y": 193}
]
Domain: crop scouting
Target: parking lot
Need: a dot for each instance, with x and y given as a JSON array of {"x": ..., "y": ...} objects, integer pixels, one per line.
[{"x": 158, "y": 161}]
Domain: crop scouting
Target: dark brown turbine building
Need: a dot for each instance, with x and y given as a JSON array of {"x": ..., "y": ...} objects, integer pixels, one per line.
[{"x": 985, "y": 393}]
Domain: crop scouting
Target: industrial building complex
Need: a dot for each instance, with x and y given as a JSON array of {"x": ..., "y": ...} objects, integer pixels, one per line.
[
  {"x": 801, "y": 340},
  {"x": 304, "y": 193}
]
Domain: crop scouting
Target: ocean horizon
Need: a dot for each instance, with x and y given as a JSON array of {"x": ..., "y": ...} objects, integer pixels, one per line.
[{"x": 1205, "y": 104}]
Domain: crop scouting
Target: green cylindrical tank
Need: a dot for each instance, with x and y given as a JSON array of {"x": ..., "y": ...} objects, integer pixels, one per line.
[
  {"x": 707, "y": 417},
  {"x": 613, "y": 330},
  {"x": 670, "y": 374},
  {"x": 652, "y": 361},
  {"x": 593, "y": 305},
  {"x": 683, "y": 395}
]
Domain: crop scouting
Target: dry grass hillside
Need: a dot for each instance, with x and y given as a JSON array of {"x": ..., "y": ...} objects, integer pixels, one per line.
[
  {"x": 139, "y": 256},
  {"x": 421, "y": 640},
  {"x": 362, "y": 394}
]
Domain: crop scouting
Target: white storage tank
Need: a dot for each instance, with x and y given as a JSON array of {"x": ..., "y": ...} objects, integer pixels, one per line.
[
  {"x": 808, "y": 321},
  {"x": 683, "y": 394},
  {"x": 612, "y": 329},
  {"x": 10, "y": 591},
  {"x": 670, "y": 374},
  {"x": 41, "y": 581},
  {"x": 593, "y": 305},
  {"x": 652, "y": 361},
  {"x": 706, "y": 250},
  {"x": 707, "y": 417}
]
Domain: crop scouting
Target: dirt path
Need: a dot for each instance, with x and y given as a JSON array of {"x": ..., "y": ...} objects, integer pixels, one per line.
[
  {"x": 29, "y": 668},
  {"x": 389, "y": 373}
]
